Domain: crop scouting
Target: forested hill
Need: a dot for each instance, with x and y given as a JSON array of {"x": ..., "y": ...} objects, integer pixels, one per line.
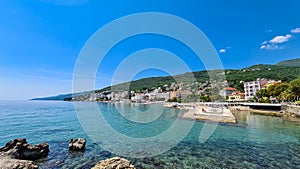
[
  {"x": 285, "y": 71},
  {"x": 275, "y": 72},
  {"x": 293, "y": 62}
]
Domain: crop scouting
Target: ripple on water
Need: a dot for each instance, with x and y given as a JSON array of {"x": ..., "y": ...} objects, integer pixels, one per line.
[{"x": 256, "y": 142}]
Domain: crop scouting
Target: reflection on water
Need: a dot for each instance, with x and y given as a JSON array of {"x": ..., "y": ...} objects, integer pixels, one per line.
[{"x": 270, "y": 127}]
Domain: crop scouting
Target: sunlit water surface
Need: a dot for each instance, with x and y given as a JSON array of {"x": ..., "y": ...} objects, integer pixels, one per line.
[{"x": 255, "y": 142}]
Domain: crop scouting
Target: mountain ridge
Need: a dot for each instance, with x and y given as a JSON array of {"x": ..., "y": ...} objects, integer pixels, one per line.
[{"x": 291, "y": 62}]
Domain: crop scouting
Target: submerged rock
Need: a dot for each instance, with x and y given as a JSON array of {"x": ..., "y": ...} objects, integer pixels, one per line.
[
  {"x": 114, "y": 163},
  {"x": 77, "y": 144},
  {"x": 17, "y": 153}
]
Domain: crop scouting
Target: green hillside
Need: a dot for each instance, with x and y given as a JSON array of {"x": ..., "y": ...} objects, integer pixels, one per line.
[
  {"x": 233, "y": 76},
  {"x": 293, "y": 62},
  {"x": 275, "y": 72}
]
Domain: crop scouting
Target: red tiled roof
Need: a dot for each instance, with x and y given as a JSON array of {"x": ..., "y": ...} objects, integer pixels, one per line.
[{"x": 230, "y": 88}]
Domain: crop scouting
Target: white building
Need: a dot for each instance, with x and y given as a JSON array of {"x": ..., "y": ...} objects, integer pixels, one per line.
[
  {"x": 162, "y": 96},
  {"x": 138, "y": 97},
  {"x": 252, "y": 87}
]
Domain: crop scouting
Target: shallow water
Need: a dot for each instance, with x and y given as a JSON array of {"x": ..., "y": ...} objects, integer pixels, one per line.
[{"x": 255, "y": 142}]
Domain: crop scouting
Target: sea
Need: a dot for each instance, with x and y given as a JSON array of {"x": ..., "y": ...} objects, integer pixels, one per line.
[{"x": 256, "y": 141}]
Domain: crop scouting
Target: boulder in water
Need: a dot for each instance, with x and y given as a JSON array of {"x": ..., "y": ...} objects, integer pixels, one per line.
[
  {"x": 114, "y": 163},
  {"x": 77, "y": 144}
]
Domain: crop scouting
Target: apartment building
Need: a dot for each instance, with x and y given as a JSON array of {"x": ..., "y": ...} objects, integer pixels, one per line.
[{"x": 252, "y": 87}]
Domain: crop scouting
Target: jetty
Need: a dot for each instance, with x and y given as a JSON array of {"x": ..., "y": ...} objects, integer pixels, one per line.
[{"x": 211, "y": 113}]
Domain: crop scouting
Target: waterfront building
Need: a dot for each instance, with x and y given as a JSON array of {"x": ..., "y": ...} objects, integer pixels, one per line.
[
  {"x": 236, "y": 97},
  {"x": 252, "y": 87}
]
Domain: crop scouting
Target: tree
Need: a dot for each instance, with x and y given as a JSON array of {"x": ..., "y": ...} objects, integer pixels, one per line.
[
  {"x": 174, "y": 99},
  {"x": 283, "y": 91},
  {"x": 262, "y": 93},
  {"x": 277, "y": 89},
  {"x": 265, "y": 100},
  {"x": 295, "y": 87},
  {"x": 205, "y": 98},
  {"x": 288, "y": 95}
]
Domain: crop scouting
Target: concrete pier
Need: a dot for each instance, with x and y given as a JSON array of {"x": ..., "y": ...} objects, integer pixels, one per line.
[{"x": 204, "y": 113}]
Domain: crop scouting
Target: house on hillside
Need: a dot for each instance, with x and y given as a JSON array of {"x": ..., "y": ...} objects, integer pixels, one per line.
[
  {"x": 270, "y": 83},
  {"x": 236, "y": 97},
  {"x": 183, "y": 94},
  {"x": 228, "y": 91}
]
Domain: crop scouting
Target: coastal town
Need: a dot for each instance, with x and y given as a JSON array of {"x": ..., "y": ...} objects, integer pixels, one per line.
[
  {"x": 200, "y": 103},
  {"x": 194, "y": 92}
]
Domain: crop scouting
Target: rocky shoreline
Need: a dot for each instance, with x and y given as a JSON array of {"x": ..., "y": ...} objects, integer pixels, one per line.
[
  {"x": 18, "y": 154},
  {"x": 7, "y": 162}
]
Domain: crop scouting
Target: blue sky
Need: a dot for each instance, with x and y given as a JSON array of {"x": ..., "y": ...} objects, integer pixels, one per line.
[{"x": 41, "y": 39}]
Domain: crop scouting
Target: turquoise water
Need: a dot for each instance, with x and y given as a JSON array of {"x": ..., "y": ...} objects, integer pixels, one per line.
[{"x": 255, "y": 142}]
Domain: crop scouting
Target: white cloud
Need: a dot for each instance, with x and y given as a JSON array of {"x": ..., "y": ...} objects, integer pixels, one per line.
[
  {"x": 263, "y": 47},
  {"x": 281, "y": 39},
  {"x": 296, "y": 30},
  {"x": 276, "y": 42},
  {"x": 269, "y": 30},
  {"x": 271, "y": 47},
  {"x": 222, "y": 51},
  {"x": 265, "y": 42}
]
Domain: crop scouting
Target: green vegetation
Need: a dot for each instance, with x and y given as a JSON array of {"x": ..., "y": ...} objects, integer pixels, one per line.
[
  {"x": 285, "y": 71},
  {"x": 175, "y": 99},
  {"x": 293, "y": 62},
  {"x": 197, "y": 97},
  {"x": 140, "y": 85},
  {"x": 281, "y": 91},
  {"x": 234, "y": 77}
]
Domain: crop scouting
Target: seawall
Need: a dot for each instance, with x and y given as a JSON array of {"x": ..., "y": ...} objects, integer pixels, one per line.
[{"x": 292, "y": 109}]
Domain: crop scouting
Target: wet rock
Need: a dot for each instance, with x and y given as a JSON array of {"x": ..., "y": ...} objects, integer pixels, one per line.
[
  {"x": 7, "y": 162},
  {"x": 77, "y": 144},
  {"x": 14, "y": 144},
  {"x": 20, "y": 149},
  {"x": 17, "y": 153},
  {"x": 35, "y": 152},
  {"x": 114, "y": 163}
]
